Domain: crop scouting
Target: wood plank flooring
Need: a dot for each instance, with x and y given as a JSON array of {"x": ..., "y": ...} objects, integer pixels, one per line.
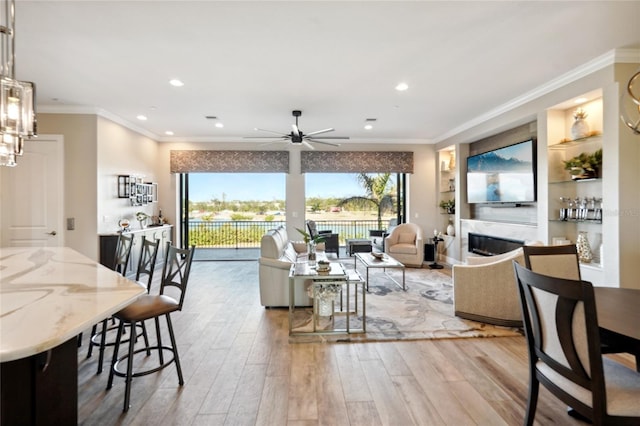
[{"x": 239, "y": 369}]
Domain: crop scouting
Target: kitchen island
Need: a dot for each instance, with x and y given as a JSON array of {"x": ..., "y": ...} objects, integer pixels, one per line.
[{"x": 48, "y": 296}]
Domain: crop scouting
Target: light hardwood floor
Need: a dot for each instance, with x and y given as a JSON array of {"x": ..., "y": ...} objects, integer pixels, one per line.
[{"x": 239, "y": 369}]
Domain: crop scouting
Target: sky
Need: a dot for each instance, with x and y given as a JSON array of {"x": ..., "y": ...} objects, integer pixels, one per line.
[{"x": 268, "y": 186}]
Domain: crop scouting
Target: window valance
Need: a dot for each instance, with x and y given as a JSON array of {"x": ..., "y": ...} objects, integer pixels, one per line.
[
  {"x": 194, "y": 161},
  {"x": 356, "y": 162}
]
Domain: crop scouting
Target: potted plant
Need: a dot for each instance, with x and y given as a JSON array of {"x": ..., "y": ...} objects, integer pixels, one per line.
[
  {"x": 585, "y": 165},
  {"x": 449, "y": 206}
]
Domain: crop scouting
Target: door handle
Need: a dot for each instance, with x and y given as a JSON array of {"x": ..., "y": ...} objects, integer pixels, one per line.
[{"x": 51, "y": 233}]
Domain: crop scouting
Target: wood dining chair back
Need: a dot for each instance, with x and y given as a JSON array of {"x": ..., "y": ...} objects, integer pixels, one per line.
[
  {"x": 173, "y": 288},
  {"x": 556, "y": 261},
  {"x": 561, "y": 328}
]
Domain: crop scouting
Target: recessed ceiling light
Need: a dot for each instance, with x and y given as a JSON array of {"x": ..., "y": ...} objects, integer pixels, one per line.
[
  {"x": 142, "y": 117},
  {"x": 219, "y": 125},
  {"x": 580, "y": 100},
  {"x": 168, "y": 133},
  {"x": 401, "y": 87},
  {"x": 368, "y": 127},
  {"x": 176, "y": 83}
]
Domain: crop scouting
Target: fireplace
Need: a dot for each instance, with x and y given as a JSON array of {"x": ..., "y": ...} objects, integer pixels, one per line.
[{"x": 487, "y": 245}]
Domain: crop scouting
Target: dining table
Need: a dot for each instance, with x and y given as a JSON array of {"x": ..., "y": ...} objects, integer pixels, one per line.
[
  {"x": 48, "y": 297},
  {"x": 618, "y": 312}
]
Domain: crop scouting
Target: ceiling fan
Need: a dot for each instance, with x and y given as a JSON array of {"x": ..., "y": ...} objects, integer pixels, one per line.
[{"x": 298, "y": 137}]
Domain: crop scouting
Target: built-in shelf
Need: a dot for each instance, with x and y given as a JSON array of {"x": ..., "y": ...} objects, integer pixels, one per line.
[
  {"x": 590, "y": 222},
  {"x": 575, "y": 181},
  {"x": 575, "y": 142}
]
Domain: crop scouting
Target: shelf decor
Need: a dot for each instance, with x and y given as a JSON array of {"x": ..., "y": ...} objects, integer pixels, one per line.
[
  {"x": 585, "y": 165},
  {"x": 580, "y": 128},
  {"x": 449, "y": 206},
  {"x": 584, "y": 248}
]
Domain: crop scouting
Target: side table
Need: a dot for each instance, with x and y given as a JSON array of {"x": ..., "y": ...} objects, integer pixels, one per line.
[
  {"x": 435, "y": 264},
  {"x": 337, "y": 282}
]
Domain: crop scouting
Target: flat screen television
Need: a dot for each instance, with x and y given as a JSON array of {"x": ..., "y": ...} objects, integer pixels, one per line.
[{"x": 503, "y": 175}]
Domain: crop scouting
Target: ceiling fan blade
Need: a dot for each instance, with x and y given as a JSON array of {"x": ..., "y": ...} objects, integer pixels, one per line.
[
  {"x": 330, "y": 137},
  {"x": 284, "y": 137},
  {"x": 296, "y": 131},
  {"x": 321, "y": 142},
  {"x": 271, "y": 131},
  {"x": 273, "y": 142},
  {"x": 308, "y": 145},
  {"x": 331, "y": 129}
]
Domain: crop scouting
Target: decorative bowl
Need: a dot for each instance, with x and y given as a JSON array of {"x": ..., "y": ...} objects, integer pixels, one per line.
[{"x": 377, "y": 255}]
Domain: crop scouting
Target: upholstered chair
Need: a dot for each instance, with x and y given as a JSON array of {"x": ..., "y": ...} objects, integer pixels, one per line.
[
  {"x": 484, "y": 289},
  {"x": 331, "y": 240},
  {"x": 405, "y": 244},
  {"x": 563, "y": 339}
]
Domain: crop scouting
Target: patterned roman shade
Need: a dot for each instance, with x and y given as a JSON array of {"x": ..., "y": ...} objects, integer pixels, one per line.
[
  {"x": 356, "y": 162},
  {"x": 194, "y": 161}
]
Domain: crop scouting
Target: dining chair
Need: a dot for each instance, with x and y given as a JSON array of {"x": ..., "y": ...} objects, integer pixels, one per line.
[
  {"x": 563, "y": 340},
  {"x": 120, "y": 264},
  {"x": 563, "y": 262},
  {"x": 556, "y": 261},
  {"x": 173, "y": 288}
]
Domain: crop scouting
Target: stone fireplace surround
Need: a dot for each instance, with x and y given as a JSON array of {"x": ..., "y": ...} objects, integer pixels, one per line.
[{"x": 525, "y": 233}]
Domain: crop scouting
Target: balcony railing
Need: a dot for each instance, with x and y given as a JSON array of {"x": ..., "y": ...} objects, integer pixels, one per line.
[{"x": 247, "y": 233}]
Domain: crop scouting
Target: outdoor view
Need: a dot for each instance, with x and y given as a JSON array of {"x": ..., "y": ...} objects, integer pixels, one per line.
[{"x": 236, "y": 209}]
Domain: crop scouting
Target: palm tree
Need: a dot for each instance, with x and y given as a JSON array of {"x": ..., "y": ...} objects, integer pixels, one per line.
[{"x": 378, "y": 192}]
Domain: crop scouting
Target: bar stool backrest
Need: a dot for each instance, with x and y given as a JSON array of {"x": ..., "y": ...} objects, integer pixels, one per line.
[
  {"x": 147, "y": 260},
  {"x": 123, "y": 252},
  {"x": 176, "y": 270}
]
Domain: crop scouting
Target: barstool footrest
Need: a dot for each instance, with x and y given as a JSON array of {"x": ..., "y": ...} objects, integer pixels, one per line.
[{"x": 149, "y": 371}]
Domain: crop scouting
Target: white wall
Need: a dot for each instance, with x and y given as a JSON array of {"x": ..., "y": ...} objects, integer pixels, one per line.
[{"x": 122, "y": 152}]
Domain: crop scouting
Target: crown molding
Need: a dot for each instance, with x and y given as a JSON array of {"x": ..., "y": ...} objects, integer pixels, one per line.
[
  {"x": 596, "y": 64},
  {"x": 72, "y": 109}
]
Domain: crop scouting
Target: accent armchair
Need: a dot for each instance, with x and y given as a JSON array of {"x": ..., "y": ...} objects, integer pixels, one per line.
[
  {"x": 331, "y": 240},
  {"x": 405, "y": 244},
  {"x": 485, "y": 290}
]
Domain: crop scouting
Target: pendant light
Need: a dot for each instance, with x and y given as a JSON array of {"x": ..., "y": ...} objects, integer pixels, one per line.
[
  {"x": 17, "y": 98},
  {"x": 630, "y": 104}
]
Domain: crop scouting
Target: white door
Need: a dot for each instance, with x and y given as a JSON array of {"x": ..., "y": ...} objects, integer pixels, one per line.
[{"x": 32, "y": 196}]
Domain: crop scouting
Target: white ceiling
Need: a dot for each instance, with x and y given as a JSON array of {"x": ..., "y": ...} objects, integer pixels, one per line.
[{"x": 250, "y": 63}]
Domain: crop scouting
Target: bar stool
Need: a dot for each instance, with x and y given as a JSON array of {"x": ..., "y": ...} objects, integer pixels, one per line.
[
  {"x": 123, "y": 252},
  {"x": 175, "y": 273}
]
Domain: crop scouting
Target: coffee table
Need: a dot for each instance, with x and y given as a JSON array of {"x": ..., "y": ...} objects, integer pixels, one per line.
[{"x": 387, "y": 262}]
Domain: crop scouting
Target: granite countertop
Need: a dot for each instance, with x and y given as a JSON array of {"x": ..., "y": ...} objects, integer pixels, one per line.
[{"x": 49, "y": 295}]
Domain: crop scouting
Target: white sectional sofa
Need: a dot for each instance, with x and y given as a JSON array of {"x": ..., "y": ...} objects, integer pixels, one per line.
[{"x": 277, "y": 254}]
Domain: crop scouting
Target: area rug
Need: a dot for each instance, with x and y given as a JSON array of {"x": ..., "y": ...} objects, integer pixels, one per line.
[{"x": 423, "y": 311}]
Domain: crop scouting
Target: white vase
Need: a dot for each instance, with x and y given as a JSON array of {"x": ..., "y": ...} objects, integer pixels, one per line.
[
  {"x": 451, "y": 230},
  {"x": 579, "y": 129}
]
